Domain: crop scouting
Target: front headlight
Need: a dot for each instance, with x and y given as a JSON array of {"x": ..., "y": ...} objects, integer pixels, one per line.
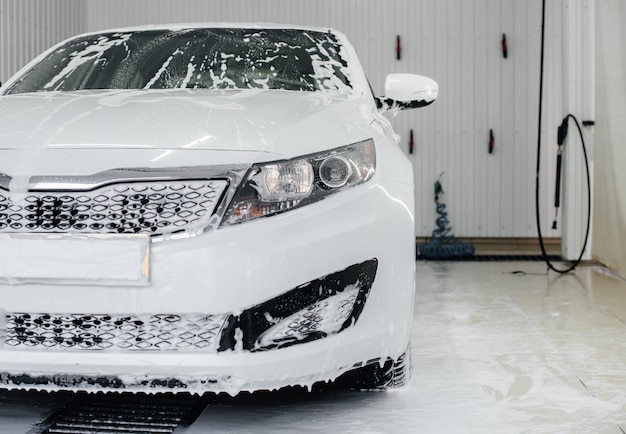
[{"x": 271, "y": 188}]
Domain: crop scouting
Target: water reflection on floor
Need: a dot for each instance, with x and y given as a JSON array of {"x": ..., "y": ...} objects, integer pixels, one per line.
[{"x": 524, "y": 351}]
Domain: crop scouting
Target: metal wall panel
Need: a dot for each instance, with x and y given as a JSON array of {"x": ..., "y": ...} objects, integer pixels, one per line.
[
  {"x": 28, "y": 27},
  {"x": 457, "y": 42},
  {"x": 579, "y": 82}
]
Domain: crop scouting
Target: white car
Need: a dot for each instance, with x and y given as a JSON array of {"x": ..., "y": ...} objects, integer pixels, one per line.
[{"x": 204, "y": 208}]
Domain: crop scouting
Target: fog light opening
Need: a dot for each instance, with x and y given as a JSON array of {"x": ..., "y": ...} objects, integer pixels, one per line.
[
  {"x": 314, "y": 310},
  {"x": 326, "y": 317}
]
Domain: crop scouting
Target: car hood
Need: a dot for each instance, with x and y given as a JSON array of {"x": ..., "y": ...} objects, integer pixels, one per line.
[{"x": 280, "y": 123}]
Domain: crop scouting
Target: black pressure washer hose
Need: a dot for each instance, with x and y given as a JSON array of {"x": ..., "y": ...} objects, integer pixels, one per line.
[{"x": 562, "y": 133}]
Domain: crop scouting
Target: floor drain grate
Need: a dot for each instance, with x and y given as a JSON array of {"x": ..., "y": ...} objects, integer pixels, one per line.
[{"x": 123, "y": 415}]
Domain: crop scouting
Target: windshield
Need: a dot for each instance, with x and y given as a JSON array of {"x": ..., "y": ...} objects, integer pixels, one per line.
[{"x": 220, "y": 58}]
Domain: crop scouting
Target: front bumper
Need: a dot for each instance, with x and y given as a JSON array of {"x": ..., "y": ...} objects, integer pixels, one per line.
[{"x": 234, "y": 273}]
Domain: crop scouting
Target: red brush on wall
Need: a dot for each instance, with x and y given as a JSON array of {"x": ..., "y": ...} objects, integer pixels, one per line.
[{"x": 398, "y": 48}]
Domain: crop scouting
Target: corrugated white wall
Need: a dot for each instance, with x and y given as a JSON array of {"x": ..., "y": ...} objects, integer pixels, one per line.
[
  {"x": 27, "y": 27},
  {"x": 610, "y": 192},
  {"x": 579, "y": 92},
  {"x": 457, "y": 42}
]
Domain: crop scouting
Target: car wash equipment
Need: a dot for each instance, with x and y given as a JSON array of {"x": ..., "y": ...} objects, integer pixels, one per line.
[
  {"x": 561, "y": 135},
  {"x": 443, "y": 245}
]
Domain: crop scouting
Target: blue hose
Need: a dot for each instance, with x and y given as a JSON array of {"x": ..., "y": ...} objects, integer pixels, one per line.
[{"x": 443, "y": 245}]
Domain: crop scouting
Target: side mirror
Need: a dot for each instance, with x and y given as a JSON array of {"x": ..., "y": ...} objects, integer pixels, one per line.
[{"x": 408, "y": 91}]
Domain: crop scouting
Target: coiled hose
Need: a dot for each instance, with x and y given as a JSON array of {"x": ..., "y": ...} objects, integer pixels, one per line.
[{"x": 442, "y": 244}]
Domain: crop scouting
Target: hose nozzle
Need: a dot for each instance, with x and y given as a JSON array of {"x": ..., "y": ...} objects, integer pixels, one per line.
[{"x": 562, "y": 132}]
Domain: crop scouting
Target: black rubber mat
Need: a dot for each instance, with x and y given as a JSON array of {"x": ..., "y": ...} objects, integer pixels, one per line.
[
  {"x": 125, "y": 414},
  {"x": 493, "y": 258}
]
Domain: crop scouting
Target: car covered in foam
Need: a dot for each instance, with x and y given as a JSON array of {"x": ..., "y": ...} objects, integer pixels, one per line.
[{"x": 201, "y": 208}]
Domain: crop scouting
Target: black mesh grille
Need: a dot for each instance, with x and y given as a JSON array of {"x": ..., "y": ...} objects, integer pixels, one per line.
[
  {"x": 151, "y": 208},
  {"x": 103, "y": 332}
]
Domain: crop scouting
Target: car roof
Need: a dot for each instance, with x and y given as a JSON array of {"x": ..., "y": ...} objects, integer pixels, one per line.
[{"x": 216, "y": 25}]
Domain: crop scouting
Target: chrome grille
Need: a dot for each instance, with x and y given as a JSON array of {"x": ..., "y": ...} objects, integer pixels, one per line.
[
  {"x": 139, "y": 207},
  {"x": 108, "y": 332}
]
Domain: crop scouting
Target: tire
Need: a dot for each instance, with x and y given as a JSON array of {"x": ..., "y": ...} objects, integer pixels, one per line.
[{"x": 393, "y": 374}]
